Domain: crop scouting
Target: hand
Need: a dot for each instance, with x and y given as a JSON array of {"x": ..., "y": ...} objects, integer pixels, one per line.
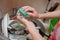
[
  {"x": 25, "y": 22},
  {"x": 31, "y": 28},
  {"x": 33, "y": 13}
]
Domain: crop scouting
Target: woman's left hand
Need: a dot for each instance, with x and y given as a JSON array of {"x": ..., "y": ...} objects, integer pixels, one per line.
[{"x": 24, "y": 21}]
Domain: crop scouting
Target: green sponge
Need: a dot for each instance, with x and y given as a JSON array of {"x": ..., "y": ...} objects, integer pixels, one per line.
[{"x": 22, "y": 12}]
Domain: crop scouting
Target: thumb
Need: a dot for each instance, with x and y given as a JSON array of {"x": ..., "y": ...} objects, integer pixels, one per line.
[
  {"x": 22, "y": 19},
  {"x": 30, "y": 14}
]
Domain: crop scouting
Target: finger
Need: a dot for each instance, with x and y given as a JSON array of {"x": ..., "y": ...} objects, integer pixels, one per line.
[
  {"x": 32, "y": 10},
  {"x": 14, "y": 18},
  {"x": 28, "y": 9},
  {"x": 22, "y": 20},
  {"x": 25, "y": 7},
  {"x": 30, "y": 14}
]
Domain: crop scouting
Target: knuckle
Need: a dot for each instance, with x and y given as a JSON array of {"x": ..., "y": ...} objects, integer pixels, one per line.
[
  {"x": 33, "y": 8},
  {"x": 27, "y": 6}
]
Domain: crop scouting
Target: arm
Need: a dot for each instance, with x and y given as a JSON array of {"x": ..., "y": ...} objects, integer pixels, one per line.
[
  {"x": 55, "y": 14},
  {"x": 34, "y": 14},
  {"x": 34, "y": 33}
]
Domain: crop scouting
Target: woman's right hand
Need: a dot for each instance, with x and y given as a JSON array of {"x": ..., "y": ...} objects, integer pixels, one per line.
[{"x": 33, "y": 13}]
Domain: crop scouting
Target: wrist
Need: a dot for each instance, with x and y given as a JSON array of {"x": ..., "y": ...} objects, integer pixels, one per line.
[
  {"x": 38, "y": 16},
  {"x": 41, "y": 16}
]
